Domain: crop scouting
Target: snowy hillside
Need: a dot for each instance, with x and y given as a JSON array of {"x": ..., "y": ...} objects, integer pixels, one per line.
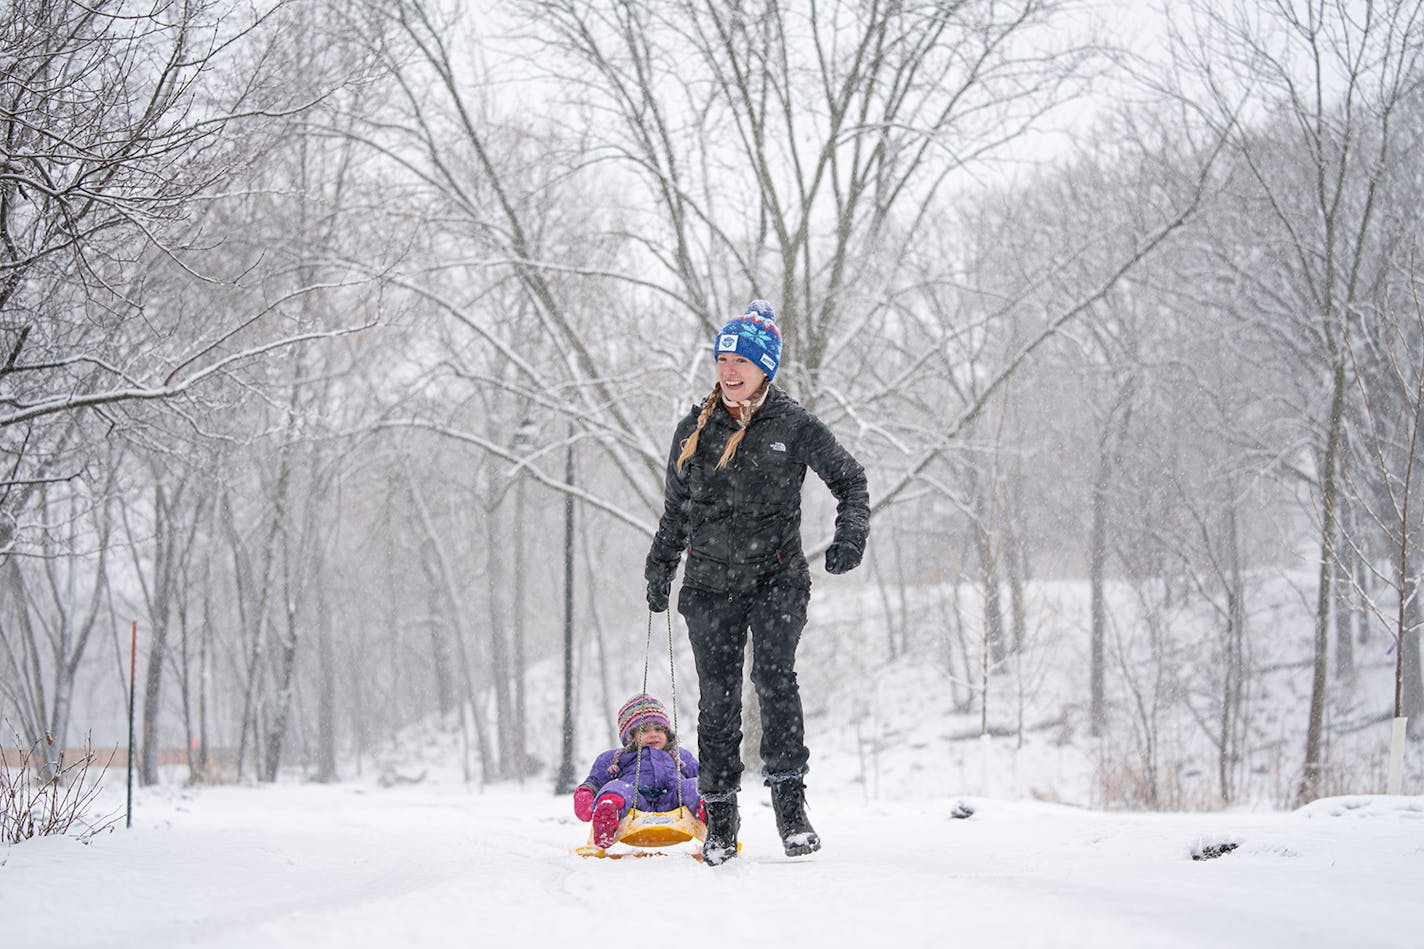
[{"x": 880, "y": 728}]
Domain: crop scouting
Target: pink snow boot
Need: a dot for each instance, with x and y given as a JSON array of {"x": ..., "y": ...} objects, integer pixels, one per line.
[{"x": 605, "y": 820}]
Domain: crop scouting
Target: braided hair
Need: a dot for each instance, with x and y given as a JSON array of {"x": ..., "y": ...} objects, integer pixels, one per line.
[{"x": 742, "y": 411}]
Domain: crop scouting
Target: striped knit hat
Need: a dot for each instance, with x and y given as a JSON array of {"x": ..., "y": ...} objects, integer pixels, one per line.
[{"x": 638, "y": 711}]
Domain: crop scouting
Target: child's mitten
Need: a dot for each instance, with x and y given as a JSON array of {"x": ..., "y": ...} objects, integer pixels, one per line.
[{"x": 583, "y": 803}]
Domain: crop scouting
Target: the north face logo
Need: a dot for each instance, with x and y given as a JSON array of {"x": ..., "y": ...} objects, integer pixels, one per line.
[{"x": 777, "y": 446}]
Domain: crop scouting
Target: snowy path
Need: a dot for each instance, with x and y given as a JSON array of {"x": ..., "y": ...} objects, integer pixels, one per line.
[{"x": 313, "y": 867}]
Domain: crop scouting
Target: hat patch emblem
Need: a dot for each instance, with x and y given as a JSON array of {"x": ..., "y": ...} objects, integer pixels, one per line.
[
  {"x": 768, "y": 362},
  {"x": 727, "y": 343}
]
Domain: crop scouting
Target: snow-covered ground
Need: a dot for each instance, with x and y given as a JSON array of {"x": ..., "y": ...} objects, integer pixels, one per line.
[
  {"x": 896, "y": 750},
  {"x": 437, "y": 864}
]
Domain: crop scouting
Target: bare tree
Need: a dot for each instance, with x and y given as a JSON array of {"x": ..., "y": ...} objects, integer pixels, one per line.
[
  {"x": 162, "y": 549},
  {"x": 109, "y": 136},
  {"x": 790, "y": 148},
  {"x": 50, "y": 606},
  {"x": 1387, "y": 361},
  {"x": 1324, "y": 82}
]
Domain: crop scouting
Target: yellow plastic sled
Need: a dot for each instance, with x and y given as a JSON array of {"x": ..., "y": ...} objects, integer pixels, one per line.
[{"x": 650, "y": 829}]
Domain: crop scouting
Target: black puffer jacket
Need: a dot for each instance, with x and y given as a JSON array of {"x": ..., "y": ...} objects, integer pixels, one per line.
[{"x": 743, "y": 523}]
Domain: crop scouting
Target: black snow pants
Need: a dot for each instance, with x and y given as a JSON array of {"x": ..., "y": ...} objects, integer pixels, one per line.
[{"x": 717, "y": 624}]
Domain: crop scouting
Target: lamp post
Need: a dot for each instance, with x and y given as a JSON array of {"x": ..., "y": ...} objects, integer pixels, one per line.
[{"x": 564, "y": 783}]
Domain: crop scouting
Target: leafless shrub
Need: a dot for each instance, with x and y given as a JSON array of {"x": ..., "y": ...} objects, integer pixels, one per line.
[{"x": 33, "y": 807}]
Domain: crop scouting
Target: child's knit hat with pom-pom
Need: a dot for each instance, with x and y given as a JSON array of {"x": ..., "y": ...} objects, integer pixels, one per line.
[{"x": 642, "y": 710}]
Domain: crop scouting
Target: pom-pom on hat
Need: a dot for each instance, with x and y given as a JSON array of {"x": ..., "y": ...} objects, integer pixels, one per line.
[
  {"x": 638, "y": 711},
  {"x": 754, "y": 336}
]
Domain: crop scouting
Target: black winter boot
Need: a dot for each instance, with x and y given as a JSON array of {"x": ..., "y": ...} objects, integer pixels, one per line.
[
  {"x": 788, "y": 800},
  {"x": 723, "y": 823}
]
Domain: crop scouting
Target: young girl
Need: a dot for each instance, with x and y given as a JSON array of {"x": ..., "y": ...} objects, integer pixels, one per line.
[
  {"x": 645, "y": 772},
  {"x": 733, "y": 506}
]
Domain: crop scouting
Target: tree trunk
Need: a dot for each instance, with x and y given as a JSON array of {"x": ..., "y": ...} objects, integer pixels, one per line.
[
  {"x": 1411, "y": 677},
  {"x": 185, "y": 683},
  {"x": 964, "y": 701},
  {"x": 1313, "y": 768},
  {"x": 985, "y": 522},
  {"x": 443, "y": 580},
  {"x": 251, "y": 733},
  {"x": 280, "y": 550},
  {"x": 326, "y": 692},
  {"x": 441, "y": 662},
  {"x": 282, "y": 707},
  {"x": 152, "y": 692},
  {"x": 1017, "y": 573},
  {"x": 1097, "y": 565},
  {"x": 1345, "y": 612},
  {"x": 175, "y": 530},
  {"x": 521, "y": 712},
  {"x": 1234, "y": 661},
  {"x": 205, "y": 678},
  {"x": 53, "y": 748},
  {"x": 499, "y": 645}
]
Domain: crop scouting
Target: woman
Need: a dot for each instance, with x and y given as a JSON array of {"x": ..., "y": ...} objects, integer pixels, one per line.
[{"x": 733, "y": 502}]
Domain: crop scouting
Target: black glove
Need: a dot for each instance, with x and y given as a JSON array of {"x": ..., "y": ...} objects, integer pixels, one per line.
[
  {"x": 658, "y": 590},
  {"x": 841, "y": 558}
]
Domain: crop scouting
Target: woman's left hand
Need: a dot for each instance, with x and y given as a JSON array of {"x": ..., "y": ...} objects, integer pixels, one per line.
[{"x": 841, "y": 558}]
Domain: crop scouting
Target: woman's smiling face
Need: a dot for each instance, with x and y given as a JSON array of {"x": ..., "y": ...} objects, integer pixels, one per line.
[{"x": 739, "y": 377}]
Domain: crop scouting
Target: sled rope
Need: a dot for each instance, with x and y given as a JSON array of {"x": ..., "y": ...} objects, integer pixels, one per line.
[{"x": 672, "y": 677}]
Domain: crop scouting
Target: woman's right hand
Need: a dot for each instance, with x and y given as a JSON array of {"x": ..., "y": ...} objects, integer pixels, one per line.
[{"x": 658, "y": 591}]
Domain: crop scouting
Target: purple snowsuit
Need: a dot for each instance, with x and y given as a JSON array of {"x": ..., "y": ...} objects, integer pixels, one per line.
[{"x": 615, "y": 770}]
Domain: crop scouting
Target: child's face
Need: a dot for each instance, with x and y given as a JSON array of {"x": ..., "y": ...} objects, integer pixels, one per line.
[{"x": 652, "y": 736}]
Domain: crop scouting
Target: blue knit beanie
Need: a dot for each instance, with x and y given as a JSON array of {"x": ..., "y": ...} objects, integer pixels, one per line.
[{"x": 754, "y": 336}]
